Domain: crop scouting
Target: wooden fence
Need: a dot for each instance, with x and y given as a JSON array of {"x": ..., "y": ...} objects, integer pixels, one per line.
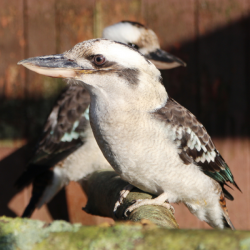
[{"x": 212, "y": 37}]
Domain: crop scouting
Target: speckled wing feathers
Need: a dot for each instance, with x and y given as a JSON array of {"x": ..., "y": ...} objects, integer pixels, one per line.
[
  {"x": 193, "y": 142},
  {"x": 69, "y": 108},
  {"x": 67, "y": 112},
  {"x": 63, "y": 133}
]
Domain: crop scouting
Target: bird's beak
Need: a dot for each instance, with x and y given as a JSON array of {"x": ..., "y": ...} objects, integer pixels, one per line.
[
  {"x": 54, "y": 66},
  {"x": 164, "y": 60}
]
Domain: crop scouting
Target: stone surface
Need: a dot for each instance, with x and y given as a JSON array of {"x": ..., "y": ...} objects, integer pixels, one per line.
[{"x": 25, "y": 234}]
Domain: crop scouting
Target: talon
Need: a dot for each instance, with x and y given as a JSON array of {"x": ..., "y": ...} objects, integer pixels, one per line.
[
  {"x": 117, "y": 204},
  {"x": 159, "y": 201},
  {"x": 172, "y": 209},
  {"x": 126, "y": 212},
  {"x": 132, "y": 203},
  {"x": 123, "y": 195}
]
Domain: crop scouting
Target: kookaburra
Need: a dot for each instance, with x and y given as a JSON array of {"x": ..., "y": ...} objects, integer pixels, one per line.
[
  {"x": 149, "y": 139},
  {"x": 67, "y": 150}
]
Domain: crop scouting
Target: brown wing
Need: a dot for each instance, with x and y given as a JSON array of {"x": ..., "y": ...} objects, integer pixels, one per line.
[
  {"x": 193, "y": 142},
  {"x": 63, "y": 132},
  {"x": 68, "y": 110}
]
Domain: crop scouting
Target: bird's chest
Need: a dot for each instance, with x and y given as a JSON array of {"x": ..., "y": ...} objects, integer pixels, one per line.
[
  {"x": 115, "y": 134},
  {"x": 134, "y": 145},
  {"x": 86, "y": 159}
]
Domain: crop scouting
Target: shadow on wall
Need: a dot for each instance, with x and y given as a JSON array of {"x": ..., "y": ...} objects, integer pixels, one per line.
[
  {"x": 214, "y": 86},
  {"x": 11, "y": 168}
]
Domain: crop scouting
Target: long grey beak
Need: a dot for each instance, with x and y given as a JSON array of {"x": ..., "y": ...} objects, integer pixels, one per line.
[
  {"x": 164, "y": 60},
  {"x": 52, "y": 65}
]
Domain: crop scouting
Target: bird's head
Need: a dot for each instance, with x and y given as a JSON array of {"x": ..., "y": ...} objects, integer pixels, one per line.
[
  {"x": 144, "y": 40},
  {"x": 111, "y": 69}
]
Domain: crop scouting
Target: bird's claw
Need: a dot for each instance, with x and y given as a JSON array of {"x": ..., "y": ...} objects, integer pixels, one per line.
[
  {"x": 171, "y": 208},
  {"x": 130, "y": 208},
  {"x": 123, "y": 194},
  {"x": 141, "y": 202}
]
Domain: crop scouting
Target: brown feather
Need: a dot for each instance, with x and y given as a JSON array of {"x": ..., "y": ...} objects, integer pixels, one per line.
[
  {"x": 39, "y": 185},
  {"x": 227, "y": 222},
  {"x": 186, "y": 127}
]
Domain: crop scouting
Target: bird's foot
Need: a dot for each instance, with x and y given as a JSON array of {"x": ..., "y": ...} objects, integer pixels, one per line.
[
  {"x": 123, "y": 194},
  {"x": 158, "y": 201}
]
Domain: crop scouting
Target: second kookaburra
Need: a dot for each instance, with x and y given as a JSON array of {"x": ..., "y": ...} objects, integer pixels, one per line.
[
  {"x": 149, "y": 139},
  {"x": 67, "y": 150}
]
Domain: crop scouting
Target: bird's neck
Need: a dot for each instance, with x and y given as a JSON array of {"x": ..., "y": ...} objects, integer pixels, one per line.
[{"x": 104, "y": 105}]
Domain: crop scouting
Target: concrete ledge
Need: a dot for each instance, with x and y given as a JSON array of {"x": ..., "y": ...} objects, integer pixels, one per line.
[{"x": 26, "y": 234}]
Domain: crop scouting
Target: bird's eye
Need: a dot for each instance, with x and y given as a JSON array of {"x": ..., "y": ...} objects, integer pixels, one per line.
[
  {"x": 99, "y": 59},
  {"x": 133, "y": 45}
]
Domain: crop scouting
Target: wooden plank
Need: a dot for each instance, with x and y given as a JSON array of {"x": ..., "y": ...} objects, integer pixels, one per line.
[
  {"x": 41, "y": 34},
  {"x": 109, "y": 12},
  {"x": 18, "y": 203},
  {"x": 248, "y": 182},
  {"x": 184, "y": 218},
  {"x": 218, "y": 14},
  {"x": 236, "y": 154},
  {"x": 12, "y": 163},
  {"x": 13, "y": 81},
  {"x": 174, "y": 23},
  {"x": 14, "y": 201},
  {"x": 172, "y": 20},
  {"x": 76, "y": 199},
  {"x": 74, "y": 22},
  {"x": 222, "y": 62},
  {"x": 11, "y": 49},
  {"x": 247, "y": 53},
  {"x": 41, "y": 40},
  {"x": 12, "y": 85},
  {"x": 12, "y": 93}
]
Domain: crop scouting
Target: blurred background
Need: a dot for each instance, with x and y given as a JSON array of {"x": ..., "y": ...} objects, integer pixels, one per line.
[{"x": 211, "y": 36}]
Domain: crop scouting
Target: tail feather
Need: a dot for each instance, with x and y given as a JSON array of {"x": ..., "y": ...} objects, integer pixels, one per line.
[
  {"x": 39, "y": 185},
  {"x": 31, "y": 206},
  {"x": 227, "y": 194},
  {"x": 227, "y": 221},
  {"x": 30, "y": 174}
]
